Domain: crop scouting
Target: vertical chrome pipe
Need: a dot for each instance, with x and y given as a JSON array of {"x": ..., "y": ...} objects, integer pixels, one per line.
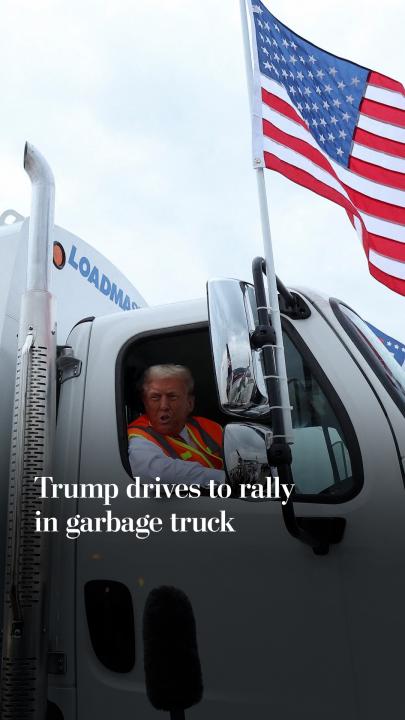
[
  {"x": 41, "y": 220},
  {"x": 24, "y": 676}
]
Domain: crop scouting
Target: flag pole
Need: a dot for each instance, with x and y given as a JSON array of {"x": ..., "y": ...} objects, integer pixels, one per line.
[{"x": 258, "y": 164}]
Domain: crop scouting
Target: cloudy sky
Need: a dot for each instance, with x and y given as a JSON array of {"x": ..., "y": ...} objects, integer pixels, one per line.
[{"x": 141, "y": 109}]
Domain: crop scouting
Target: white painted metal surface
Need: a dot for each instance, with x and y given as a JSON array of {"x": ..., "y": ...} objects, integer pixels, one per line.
[{"x": 282, "y": 632}]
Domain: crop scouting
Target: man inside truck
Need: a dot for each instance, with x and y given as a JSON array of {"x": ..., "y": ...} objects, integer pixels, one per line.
[{"x": 167, "y": 441}]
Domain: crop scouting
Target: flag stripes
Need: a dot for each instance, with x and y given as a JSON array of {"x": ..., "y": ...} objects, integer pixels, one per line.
[
  {"x": 375, "y": 172},
  {"x": 366, "y": 189},
  {"x": 339, "y": 130}
]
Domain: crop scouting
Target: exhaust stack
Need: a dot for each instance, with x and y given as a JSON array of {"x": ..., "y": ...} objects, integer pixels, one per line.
[
  {"x": 25, "y": 625},
  {"x": 41, "y": 220}
]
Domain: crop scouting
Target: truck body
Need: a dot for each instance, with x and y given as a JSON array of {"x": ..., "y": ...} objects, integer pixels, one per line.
[
  {"x": 282, "y": 630},
  {"x": 85, "y": 283}
]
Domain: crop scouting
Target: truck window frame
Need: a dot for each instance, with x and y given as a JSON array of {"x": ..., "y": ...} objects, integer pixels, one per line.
[
  {"x": 120, "y": 380},
  {"x": 349, "y": 434},
  {"x": 366, "y": 351},
  {"x": 319, "y": 375}
]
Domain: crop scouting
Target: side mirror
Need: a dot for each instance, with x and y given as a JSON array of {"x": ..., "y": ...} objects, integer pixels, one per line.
[
  {"x": 238, "y": 370},
  {"x": 245, "y": 460},
  {"x": 245, "y": 454}
]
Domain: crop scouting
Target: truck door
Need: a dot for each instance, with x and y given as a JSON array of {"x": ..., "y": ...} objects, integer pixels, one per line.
[{"x": 281, "y": 631}]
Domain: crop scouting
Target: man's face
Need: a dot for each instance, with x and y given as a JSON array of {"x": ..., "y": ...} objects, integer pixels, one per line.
[{"x": 167, "y": 404}]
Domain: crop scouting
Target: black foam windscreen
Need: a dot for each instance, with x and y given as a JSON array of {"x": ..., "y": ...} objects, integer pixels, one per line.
[{"x": 172, "y": 665}]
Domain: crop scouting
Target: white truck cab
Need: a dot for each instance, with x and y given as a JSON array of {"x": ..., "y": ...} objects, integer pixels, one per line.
[{"x": 281, "y": 630}]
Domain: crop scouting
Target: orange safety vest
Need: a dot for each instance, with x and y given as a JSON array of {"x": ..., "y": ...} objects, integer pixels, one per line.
[{"x": 206, "y": 434}]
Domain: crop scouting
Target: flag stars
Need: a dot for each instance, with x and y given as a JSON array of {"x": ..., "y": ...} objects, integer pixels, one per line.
[{"x": 320, "y": 92}]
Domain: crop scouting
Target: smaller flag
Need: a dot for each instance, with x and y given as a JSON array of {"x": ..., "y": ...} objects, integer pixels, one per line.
[
  {"x": 336, "y": 128},
  {"x": 394, "y": 346}
]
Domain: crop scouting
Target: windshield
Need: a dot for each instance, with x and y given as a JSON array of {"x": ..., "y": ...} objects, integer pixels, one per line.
[{"x": 382, "y": 361}]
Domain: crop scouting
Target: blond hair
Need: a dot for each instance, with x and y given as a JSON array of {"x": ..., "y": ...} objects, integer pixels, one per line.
[{"x": 168, "y": 371}]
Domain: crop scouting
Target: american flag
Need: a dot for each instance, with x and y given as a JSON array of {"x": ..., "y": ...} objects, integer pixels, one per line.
[
  {"x": 394, "y": 346},
  {"x": 336, "y": 128}
]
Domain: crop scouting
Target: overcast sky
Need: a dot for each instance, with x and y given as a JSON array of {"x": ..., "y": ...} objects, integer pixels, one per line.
[{"x": 141, "y": 109}]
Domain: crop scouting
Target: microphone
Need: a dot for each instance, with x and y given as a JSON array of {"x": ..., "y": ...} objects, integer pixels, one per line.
[{"x": 172, "y": 666}]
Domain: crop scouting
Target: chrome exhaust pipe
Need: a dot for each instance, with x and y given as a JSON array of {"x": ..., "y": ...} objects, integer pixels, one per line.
[
  {"x": 41, "y": 220},
  {"x": 23, "y": 690}
]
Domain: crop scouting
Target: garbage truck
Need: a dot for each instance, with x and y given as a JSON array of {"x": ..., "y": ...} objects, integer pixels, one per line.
[{"x": 294, "y": 609}]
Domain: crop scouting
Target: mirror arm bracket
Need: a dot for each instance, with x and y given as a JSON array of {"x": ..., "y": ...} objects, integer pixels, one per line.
[
  {"x": 262, "y": 335},
  {"x": 318, "y": 532}
]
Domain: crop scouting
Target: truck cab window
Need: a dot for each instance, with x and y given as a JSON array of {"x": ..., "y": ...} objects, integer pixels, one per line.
[
  {"x": 391, "y": 374},
  {"x": 322, "y": 463},
  {"x": 189, "y": 347},
  {"x": 326, "y": 460}
]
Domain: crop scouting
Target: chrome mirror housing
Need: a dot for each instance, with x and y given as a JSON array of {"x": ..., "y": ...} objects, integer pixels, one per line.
[
  {"x": 238, "y": 370},
  {"x": 245, "y": 454}
]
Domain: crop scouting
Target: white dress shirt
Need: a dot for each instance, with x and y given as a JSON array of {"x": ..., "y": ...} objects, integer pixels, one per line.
[{"x": 148, "y": 461}]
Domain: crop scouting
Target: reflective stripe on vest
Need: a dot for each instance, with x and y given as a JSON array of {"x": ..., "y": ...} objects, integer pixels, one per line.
[
  {"x": 209, "y": 441},
  {"x": 177, "y": 447}
]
